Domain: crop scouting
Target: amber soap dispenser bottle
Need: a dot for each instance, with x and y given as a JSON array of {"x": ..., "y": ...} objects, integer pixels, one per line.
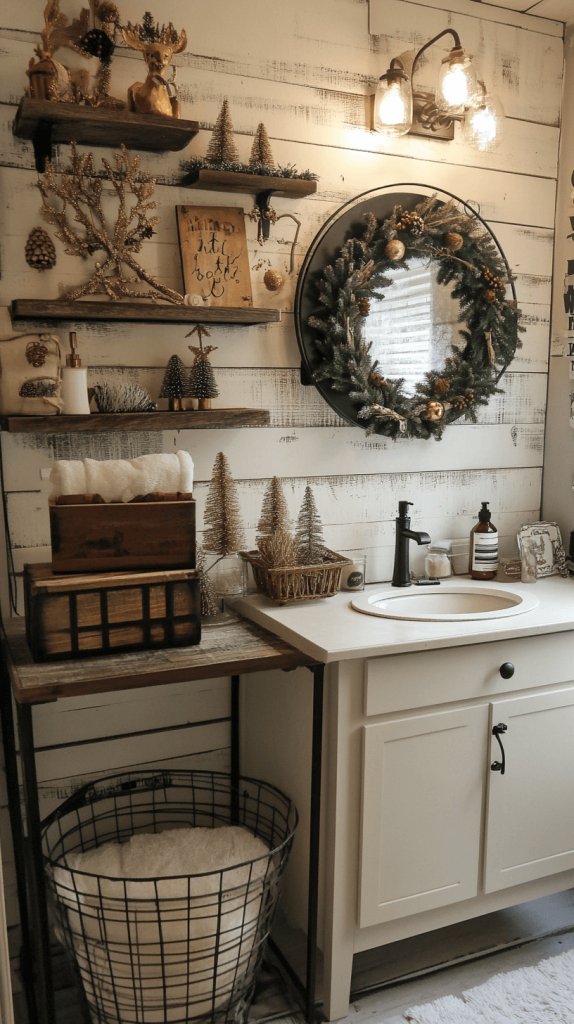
[{"x": 483, "y": 561}]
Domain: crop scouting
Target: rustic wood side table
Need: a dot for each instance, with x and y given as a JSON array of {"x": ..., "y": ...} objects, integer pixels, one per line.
[{"x": 235, "y": 648}]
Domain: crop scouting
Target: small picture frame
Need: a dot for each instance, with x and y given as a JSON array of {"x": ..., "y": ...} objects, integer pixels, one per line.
[{"x": 547, "y": 543}]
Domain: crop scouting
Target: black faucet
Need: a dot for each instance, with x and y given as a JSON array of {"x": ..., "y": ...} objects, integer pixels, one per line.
[{"x": 401, "y": 571}]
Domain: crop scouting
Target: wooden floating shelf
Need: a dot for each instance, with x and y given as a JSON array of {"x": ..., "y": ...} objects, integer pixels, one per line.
[
  {"x": 45, "y": 123},
  {"x": 199, "y": 419},
  {"x": 250, "y": 184},
  {"x": 60, "y": 309}
]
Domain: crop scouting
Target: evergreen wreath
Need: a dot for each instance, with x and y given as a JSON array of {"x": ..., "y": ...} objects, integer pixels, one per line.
[{"x": 467, "y": 258}]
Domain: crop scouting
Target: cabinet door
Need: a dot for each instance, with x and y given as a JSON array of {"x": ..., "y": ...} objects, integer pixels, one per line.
[
  {"x": 423, "y": 788},
  {"x": 530, "y": 818}
]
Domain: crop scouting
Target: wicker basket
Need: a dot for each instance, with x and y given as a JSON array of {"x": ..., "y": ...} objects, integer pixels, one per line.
[{"x": 299, "y": 582}]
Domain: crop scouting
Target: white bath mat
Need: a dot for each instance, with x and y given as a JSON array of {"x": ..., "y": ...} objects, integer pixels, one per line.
[{"x": 531, "y": 995}]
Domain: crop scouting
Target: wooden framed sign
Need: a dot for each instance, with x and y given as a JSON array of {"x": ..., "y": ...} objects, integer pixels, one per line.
[{"x": 214, "y": 256}]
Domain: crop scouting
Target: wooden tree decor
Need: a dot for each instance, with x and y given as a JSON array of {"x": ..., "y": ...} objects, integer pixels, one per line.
[
  {"x": 224, "y": 533},
  {"x": 86, "y": 231}
]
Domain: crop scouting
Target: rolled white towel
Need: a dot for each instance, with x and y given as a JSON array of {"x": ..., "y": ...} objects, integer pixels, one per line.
[
  {"x": 68, "y": 477},
  {"x": 124, "y": 479}
]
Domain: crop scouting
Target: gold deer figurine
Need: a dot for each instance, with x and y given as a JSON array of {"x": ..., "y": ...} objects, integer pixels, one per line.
[{"x": 155, "y": 95}]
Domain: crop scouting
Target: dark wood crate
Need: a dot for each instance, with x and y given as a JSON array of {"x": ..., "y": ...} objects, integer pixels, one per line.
[
  {"x": 121, "y": 536},
  {"x": 94, "y": 614}
]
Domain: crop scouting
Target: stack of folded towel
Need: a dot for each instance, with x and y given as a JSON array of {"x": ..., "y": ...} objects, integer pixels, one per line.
[{"x": 123, "y": 479}]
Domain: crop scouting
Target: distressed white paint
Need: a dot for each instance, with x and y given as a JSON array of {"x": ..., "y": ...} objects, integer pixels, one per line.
[{"x": 307, "y": 71}]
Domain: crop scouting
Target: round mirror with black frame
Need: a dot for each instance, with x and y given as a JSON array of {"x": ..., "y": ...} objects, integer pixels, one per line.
[{"x": 406, "y": 312}]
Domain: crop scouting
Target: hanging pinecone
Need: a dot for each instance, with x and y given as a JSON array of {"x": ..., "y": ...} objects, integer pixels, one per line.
[
  {"x": 40, "y": 252},
  {"x": 377, "y": 380},
  {"x": 364, "y": 307},
  {"x": 412, "y": 223},
  {"x": 440, "y": 386},
  {"x": 395, "y": 249},
  {"x": 453, "y": 241}
]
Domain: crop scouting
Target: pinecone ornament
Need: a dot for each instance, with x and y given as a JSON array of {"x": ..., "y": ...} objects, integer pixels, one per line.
[
  {"x": 40, "y": 252},
  {"x": 377, "y": 380},
  {"x": 395, "y": 249},
  {"x": 490, "y": 296},
  {"x": 494, "y": 284},
  {"x": 440, "y": 386},
  {"x": 412, "y": 223},
  {"x": 364, "y": 307}
]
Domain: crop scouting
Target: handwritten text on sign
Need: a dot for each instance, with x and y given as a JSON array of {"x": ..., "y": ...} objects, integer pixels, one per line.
[{"x": 214, "y": 254}]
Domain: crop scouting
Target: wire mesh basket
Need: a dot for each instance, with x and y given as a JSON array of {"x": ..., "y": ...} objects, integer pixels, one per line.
[{"x": 174, "y": 949}]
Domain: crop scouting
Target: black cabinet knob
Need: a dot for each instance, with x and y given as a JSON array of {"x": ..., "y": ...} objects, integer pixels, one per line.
[{"x": 507, "y": 670}]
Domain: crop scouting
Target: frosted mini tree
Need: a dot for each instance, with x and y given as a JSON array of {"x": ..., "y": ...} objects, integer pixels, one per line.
[
  {"x": 201, "y": 378},
  {"x": 222, "y": 518},
  {"x": 261, "y": 149},
  {"x": 87, "y": 231},
  {"x": 222, "y": 148},
  {"x": 175, "y": 384},
  {"x": 274, "y": 512},
  {"x": 309, "y": 532}
]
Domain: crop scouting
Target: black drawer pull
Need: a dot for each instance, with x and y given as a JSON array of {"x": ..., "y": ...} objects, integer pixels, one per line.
[
  {"x": 507, "y": 670},
  {"x": 499, "y": 766}
]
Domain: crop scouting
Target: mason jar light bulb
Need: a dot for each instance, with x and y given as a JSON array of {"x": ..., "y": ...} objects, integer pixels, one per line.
[
  {"x": 483, "y": 127},
  {"x": 457, "y": 86},
  {"x": 393, "y": 113}
]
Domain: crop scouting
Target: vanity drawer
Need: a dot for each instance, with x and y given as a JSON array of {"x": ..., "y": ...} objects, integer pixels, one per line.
[{"x": 403, "y": 681}]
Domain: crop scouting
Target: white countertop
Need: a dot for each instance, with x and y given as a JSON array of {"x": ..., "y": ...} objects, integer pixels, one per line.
[{"x": 330, "y": 630}]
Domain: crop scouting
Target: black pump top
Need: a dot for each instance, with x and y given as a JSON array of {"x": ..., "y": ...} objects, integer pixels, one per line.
[
  {"x": 484, "y": 514},
  {"x": 404, "y": 509}
]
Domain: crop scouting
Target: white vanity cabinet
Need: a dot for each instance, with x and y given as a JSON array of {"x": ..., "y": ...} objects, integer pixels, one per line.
[{"x": 418, "y": 831}]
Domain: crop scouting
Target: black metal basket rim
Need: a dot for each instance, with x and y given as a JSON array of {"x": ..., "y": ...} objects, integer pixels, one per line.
[{"x": 177, "y": 773}]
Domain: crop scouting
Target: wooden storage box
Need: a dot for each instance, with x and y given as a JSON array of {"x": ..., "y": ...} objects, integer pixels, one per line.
[
  {"x": 81, "y": 616},
  {"x": 142, "y": 535}
]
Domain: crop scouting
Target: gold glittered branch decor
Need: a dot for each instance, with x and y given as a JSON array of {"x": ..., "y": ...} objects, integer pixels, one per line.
[{"x": 83, "y": 229}]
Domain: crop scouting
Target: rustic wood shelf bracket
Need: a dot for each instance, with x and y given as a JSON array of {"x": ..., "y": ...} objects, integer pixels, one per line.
[{"x": 42, "y": 143}]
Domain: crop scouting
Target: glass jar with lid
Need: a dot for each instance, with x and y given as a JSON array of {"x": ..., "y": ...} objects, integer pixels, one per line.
[{"x": 438, "y": 561}]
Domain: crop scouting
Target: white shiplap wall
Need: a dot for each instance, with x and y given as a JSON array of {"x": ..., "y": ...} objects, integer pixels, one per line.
[{"x": 306, "y": 70}]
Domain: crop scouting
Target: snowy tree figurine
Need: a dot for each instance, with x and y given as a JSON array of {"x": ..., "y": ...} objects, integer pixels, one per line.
[
  {"x": 309, "y": 532},
  {"x": 261, "y": 150},
  {"x": 175, "y": 384},
  {"x": 201, "y": 379},
  {"x": 222, "y": 148}
]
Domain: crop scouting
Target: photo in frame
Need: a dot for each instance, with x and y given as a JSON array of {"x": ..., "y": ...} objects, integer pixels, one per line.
[
  {"x": 214, "y": 257},
  {"x": 547, "y": 543}
]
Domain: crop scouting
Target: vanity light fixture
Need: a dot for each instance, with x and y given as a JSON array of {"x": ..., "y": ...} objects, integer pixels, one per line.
[{"x": 459, "y": 97}]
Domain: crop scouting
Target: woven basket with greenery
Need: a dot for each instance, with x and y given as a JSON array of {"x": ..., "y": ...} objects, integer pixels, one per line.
[{"x": 298, "y": 582}]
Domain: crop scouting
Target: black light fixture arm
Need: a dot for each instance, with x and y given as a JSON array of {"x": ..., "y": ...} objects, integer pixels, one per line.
[{"x": 445, "y": 32}]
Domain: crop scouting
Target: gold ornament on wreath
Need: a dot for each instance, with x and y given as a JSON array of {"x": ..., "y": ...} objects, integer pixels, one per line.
[
  {"x": 489, "y": 328},
  {"x": 395, "y": 249},
  {"x": 273, "y": 280},
  {"x": 40, "y": 252}
]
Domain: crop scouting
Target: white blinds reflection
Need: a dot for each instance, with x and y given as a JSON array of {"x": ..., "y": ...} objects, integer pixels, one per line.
[{"x": 401, "y": 327}]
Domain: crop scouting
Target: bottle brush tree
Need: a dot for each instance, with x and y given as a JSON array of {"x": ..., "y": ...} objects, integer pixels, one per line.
[
  {"x": 274, "y": 512},
  {"x": 309, "y": 532},
  {"x": 201, "y": 378},
  {"x": 261, "y": 149},
  {"x": 175, "y": 385},
  {"x": 222, "y": 519},
  {"x": 222, "y": 148}
]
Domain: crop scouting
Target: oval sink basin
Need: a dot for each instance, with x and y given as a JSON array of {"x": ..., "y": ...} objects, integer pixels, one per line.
[{"x": 446, "y": 603}]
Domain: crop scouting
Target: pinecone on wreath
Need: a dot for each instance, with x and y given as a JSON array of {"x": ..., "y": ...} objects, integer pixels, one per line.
[
  {"x": 412, "y": 223},
  {"x": 40, "y": 252}
]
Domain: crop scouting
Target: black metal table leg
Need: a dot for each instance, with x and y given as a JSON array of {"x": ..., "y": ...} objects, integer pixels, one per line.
[
  {"x": 314, "y": 839},
  {"x": 235, "y": 768},
  {"x": 38, "y": 905},
  {"x": 18, "y": 842}
]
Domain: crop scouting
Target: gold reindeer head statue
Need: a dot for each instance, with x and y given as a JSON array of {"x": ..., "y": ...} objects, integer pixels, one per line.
[{"x": 157, "y": 45}]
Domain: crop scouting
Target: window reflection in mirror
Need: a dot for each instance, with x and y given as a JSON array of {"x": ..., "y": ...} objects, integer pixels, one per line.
[{"x": 415, "y": 327}]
